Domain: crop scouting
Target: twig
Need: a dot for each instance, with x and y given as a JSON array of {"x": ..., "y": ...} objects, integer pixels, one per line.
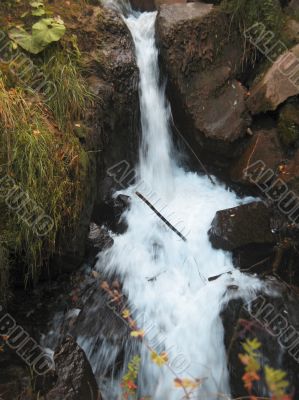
[{"x": 161, "y": 216}]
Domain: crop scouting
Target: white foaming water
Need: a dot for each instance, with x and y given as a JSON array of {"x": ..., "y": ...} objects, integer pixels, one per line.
[{"x": 164, "y": 277}]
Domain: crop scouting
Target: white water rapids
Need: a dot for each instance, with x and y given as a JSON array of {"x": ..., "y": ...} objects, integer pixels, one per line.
[{"x": 164, "y": 277}]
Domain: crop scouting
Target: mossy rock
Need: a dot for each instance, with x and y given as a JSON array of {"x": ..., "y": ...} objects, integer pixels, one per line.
[{"x": 288, "y": 124}]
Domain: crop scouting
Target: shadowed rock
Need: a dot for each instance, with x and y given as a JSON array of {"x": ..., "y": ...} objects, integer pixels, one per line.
[
  {"x": 75, "y": 377},
  {"x": 240, "y": 226}
]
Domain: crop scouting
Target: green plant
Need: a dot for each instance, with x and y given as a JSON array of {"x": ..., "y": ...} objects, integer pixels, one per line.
[
  {"x": 71, "y": 95},
  {"x": 274, "y": 378},
  {"x": 49, "y": 167},
  {"x": 44, "y": 32},
  {"x": 247, "y": 12},
  {"x": 38, "y": 8},
  {"x": 129, "y": 380}
]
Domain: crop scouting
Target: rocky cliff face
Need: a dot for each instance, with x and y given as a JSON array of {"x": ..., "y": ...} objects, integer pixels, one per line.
[{"x": 202, "y": 63}]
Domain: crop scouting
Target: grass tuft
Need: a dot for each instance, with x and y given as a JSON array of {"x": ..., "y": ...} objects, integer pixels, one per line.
[
  {"x": 72, "y": 96},
  {"x": 50, "y": 167}
]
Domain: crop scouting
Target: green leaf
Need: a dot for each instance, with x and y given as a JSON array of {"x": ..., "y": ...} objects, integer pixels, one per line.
[
  {"x": 24, "y": 40},
  {"x": 48, "y": 30},
  {"x": 37, "y": 4},
  {"x": 38, "y": 12},
  {"x": 44, "y": 32}
]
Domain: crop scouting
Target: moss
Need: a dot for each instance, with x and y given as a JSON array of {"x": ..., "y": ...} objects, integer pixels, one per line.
[{"x": 288, "y": 125}]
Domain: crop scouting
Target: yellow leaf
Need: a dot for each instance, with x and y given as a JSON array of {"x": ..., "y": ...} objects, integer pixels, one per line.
[
  {"x": 187, "y": 383},
  {"x": 159, "y": 359},
  {"x": 126, "y": 313},
  {"x": 1, "y": 349},
  {"x": 137, "y": 334}
]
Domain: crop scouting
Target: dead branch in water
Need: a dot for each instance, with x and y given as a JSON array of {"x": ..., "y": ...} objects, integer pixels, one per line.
[{"x": 161, "y": 216}]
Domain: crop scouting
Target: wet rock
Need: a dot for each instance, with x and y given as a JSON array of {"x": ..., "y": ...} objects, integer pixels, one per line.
[
  {"x": 279, "y": 348},
  {"x": 201, "y": 64},
  {"x": 113, "y": 61},
  {"x": 112, "y": 123},
  {"x": 109, "y": 213},
  {"x": 288, "y": 124},
  {"x": 262, "y": 152},
  {"x": 290, "y": 174},
  {"x": 75, "y": 377},
  {"x": 143, "y": 5},
  {"x": 279, "y": 83},
  {"x": 240, "y": 226},
  {"x": 151, "y": 5},
  {"x": 99, "y": 238}
]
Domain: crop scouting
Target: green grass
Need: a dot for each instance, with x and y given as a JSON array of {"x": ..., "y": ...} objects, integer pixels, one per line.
[
  {"x": 247, "y": 12},
  {"x": 46, "y": 164},
  {"x": 72, "y": 98}
]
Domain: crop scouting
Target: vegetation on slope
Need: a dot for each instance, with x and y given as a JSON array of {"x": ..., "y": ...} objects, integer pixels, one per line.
[{"x": 40, "y": 152}]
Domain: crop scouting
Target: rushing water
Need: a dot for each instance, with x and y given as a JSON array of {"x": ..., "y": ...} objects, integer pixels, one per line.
[{"x": 165, "y": 278}]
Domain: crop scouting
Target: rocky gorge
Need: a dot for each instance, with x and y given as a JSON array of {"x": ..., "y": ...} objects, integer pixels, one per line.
[{"x": 232, "y": 82}]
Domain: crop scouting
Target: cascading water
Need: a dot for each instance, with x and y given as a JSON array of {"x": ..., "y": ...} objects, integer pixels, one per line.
[{"x": 165, "y": 278}]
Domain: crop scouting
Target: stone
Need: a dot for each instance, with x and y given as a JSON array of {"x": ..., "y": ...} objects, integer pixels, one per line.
[
  {"x": 76, "y": 380},
  {"x": 240, "y": 226},
  {"x": 262, "y": 152},
  {"x": 201, "y": 63},
  {"x": 279, "y": 82}
]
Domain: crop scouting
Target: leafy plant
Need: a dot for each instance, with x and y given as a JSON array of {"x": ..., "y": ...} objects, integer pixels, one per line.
[
  {"x": 129, "y": 380},
  {"x": 44, "y": 32},
  {"x": 71, "y": 96},
  {"x": 38, "y": 8},
  {"x": 50, "y": 167},
  {"x": 274, "y": 378}
]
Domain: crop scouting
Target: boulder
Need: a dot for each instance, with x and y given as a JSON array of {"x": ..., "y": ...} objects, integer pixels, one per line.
[
  {"x": 109, "y": 213},
  {"x": 279, "y": 82},
  {"x": 263, "y": 152},
  {"x": 240, "y": 226},
  {"x": 201, "y": 64},
  {"x": 76, "y": 380}
]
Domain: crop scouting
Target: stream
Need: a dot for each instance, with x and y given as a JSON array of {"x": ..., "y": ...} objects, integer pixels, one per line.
[{"x": 165, "y": 278}]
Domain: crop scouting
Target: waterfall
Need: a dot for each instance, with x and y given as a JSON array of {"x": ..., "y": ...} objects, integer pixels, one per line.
[
  {"x": 164, "y": 278},
  {"x": 155, "y": 152}
]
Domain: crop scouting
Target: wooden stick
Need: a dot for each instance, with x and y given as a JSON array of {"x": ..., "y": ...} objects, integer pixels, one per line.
[{"x": 161, "y": 216}]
